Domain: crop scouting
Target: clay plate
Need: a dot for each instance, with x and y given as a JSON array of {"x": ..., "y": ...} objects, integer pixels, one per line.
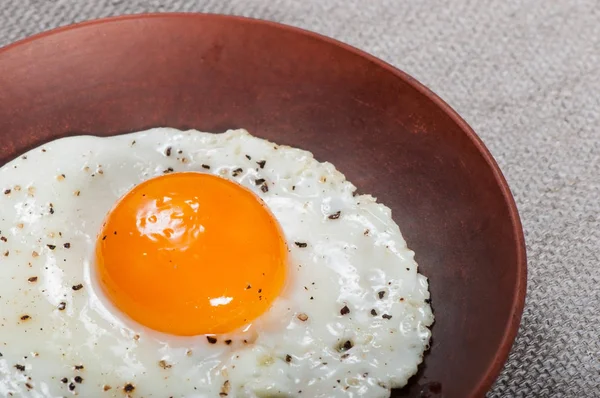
[{"x": 390, "y": 135}]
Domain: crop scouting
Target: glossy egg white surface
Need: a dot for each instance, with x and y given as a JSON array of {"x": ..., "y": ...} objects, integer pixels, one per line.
[{"x": 352, "y": 321}]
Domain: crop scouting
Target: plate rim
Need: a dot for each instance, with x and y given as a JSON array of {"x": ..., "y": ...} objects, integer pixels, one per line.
[{"x": 518, "y": 302}]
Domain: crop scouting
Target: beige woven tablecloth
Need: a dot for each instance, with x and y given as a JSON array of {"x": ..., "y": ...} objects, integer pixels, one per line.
[{"x": 526, "y": 76}]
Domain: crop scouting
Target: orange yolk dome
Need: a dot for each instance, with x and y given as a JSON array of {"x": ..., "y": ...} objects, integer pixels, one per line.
[{"x": 191, "y": 253}]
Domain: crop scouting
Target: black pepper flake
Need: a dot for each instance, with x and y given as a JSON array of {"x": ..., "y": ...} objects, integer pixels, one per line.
[
  {"x": 300, "y": 244},
  {"x": 237, "y": 172},
  {"x": 104, "y": 237},
  {"x": 205, "y": 166},
  {"x": 259, "y": 181},
  {"x": 366, "y": 233},
  {"x": 77, "y": 287},
  {"x": 51, "y": 210},
  {"x": 248, "y": 287},
  {"x": 51, "y": 247},
  {"x": 62, "y": 305},
  {"x": 168, "y": 151},
  {"x": 168, "y": 170},
  {"x": 3, "y": 239},
  {"x": 264, "y": 187},
  {"x": 261, "y": 163},
  {"x": 78, "y": 379},
  {"x": 386, "y": 316},
  {"x": 227, "y": 341},
  {"x": 20, "y": 367},
  {"x": 6, "y": 253},
  {"x": 381, "y": 294},
  {"x": 164, "y": 364},
  {"x": 427, "y": 301},
  {"x": 345, "y": 310},
  {"x": 335, "y": 215},
  {"x": 373, "y": 312},
  {"x": 78, "y": 367},
  {"x": 260, "y": 290},
  {"x": 248, "y": 157},
  {"x": 67, "y": 245},
  {"x": 71, "y": 386},
  {"x": 128, "y": 387},
  {"x": 347, "y": 345},
  {"x": 7, "y": 191},
  {"x": 64, "y": 380},
  {"x": 288, "y": 358},
  {"x": 211, "y": 339},
  {"x": 25, "y": 317},
  {"x": 345, "y": 356}
]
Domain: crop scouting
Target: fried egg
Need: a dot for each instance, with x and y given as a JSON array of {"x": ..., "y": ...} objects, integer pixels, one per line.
[{"x": 187, "y": 264}]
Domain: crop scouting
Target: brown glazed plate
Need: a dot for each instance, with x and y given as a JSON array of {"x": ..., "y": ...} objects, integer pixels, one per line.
[{"x": 387, "y": 133}]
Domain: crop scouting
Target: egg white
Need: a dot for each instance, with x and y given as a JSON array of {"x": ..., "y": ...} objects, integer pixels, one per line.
[{"x": 353, "y": 319}]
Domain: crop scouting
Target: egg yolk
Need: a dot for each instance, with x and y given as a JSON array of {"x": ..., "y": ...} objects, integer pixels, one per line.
[{"x": 191, "y": 253}]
